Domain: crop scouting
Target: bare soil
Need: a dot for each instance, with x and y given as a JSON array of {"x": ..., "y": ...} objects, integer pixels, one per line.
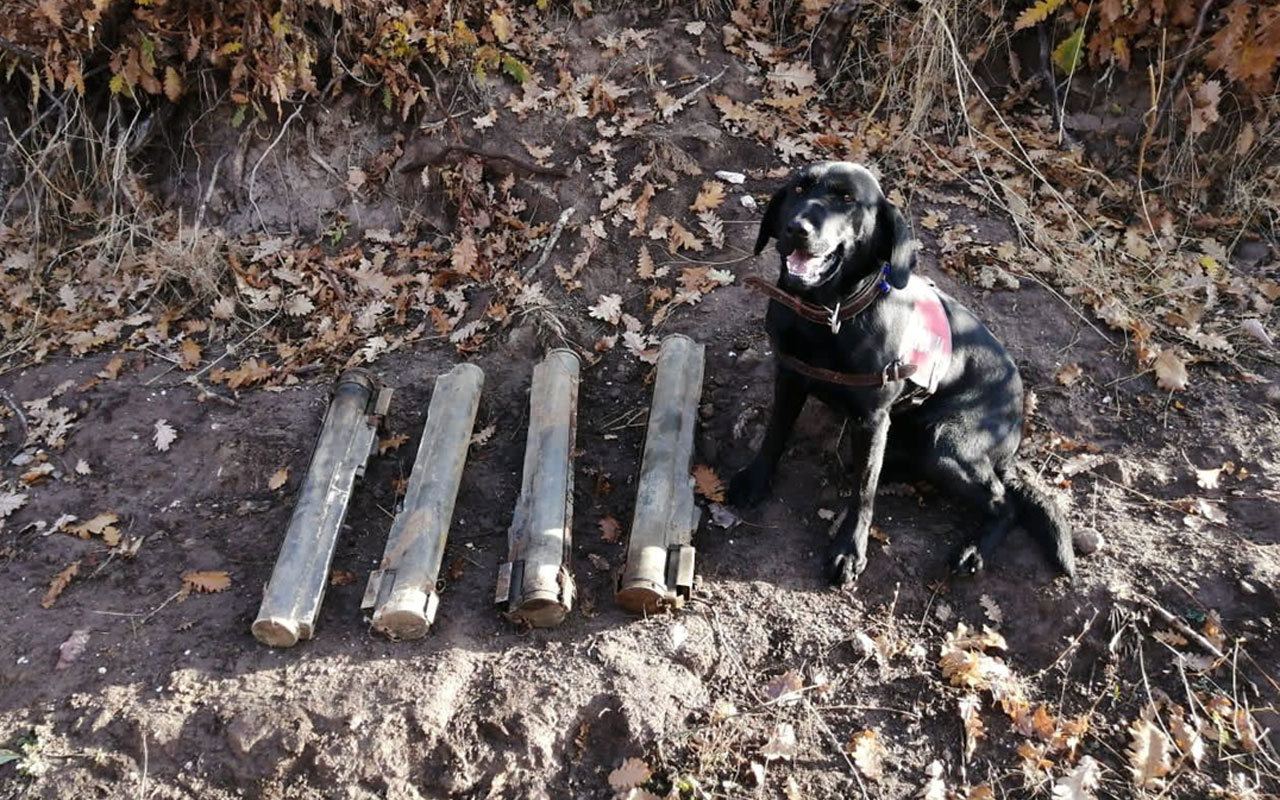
[{"x": 173, "y": 698}]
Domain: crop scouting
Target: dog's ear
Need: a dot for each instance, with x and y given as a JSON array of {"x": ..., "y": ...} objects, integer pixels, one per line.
[
  {"x": 897, "y": 247},
  {"x": 769, "y": 225}
]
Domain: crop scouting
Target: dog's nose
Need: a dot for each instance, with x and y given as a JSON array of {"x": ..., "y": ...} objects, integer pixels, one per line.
[{"x": 798, "y": 228}]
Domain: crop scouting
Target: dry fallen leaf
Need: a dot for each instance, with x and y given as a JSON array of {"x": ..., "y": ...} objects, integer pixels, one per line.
[
  {"x": 1186, "y": 735},
  {"x": 278, "y": 478},
  {"x": 971, "y": 719},
  {"x": 72, "y": 648},
  {"x": 610, "y": 528},
  {"x": 189, "y": 354},
  {"x": 1208, "y": 478},
  {"x": 481, "y": 438},
  {"x": 1171, "y": 372},
  {"x": 208, "y": 581},
  {"x": 711, "y": 197},
  {"x": 992, "y": 609},
  {"x": 1069, "y": 374},
  {"x": 11, "y": 502},
  {"x": 1148, "y": 755},
  {"x": 341, "y": 577},
  {"x": 391, "y": 443},
  {"x": 785, "y": 688},
  {"x": 101, "y": 525},
  {"x": 708, "y": 484},
  {"x": 1079, "y": 783},
  {"x": 782, "y": 744},
  {"x": 59, "y": 583},
  {"x": 632, "y": 773},
  {"x": 608, "y": 308},
  {"x": 935, "y": 788},
  {"x": 164, "y": 435},
  {"x": 868, "y": 754}
]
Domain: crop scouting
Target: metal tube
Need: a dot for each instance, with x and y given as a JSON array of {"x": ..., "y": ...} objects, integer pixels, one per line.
[
  {"x": 291, "y": 599},
  {"x": 659, "y": 568},
  {"x": 535, "y": 586},
  {"x": 402, "y": 592}
]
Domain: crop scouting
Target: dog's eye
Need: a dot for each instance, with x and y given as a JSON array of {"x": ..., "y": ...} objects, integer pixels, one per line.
[
  {"x": 848, "y": 198},
  {"x": 799, "y": 189}
]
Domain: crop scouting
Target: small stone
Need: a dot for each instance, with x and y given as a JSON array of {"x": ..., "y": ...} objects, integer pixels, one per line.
[
  {"x": 22, "y": 459},
  {"x": 1117, "y": 471},
  {"x": 1087, "y": 541},
  {"x": 1247, "y": 587}
]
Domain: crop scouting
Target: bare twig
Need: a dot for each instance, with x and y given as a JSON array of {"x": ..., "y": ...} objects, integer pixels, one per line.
[
  {"x": 551, "y": 242},
  {"x": 1167, "y": 100},
  {"x": 834, "y": 741},
  {"x": 26, "y": 429},
  {"x": 1182, "y": 627},
  {"x": 487, "y": 155},
  {"x": 253, "y": 174}
]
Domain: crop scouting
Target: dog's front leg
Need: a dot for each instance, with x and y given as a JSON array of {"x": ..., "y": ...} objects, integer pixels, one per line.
[
  {"x": 751, "y": 484},
  {"x": 848, "y": 554}
]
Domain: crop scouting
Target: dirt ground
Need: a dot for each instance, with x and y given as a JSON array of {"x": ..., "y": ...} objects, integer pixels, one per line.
[{"x": 173, "y": 698}]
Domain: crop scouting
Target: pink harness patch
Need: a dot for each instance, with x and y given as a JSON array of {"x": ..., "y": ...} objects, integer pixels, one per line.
[{"x": 927, "y": 342}]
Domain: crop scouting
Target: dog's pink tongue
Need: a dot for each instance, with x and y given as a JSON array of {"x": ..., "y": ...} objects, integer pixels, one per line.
[{"x": 801, "y": 263}]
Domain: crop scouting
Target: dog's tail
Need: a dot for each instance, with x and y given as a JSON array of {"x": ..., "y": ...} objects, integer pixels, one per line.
[{"x": 1044, "y": 521}]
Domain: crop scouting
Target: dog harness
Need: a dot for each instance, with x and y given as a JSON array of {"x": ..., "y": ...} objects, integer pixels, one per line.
[{"x": 922, "y": 355}]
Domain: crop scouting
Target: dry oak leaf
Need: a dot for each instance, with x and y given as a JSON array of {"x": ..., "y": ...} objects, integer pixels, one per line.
[
  {"x": 207, "y": 581},
  {"x": 1038, "y": 13},
  {"x": 868, "y": 754},
  {"x": 610, "y": 528},
  {"x": 782, "y": 744},
  {"x": 59, "y": 583},
  {"x": 164, "y": 435},
  {"x": 608, "y": 308},
  {"x": 278, "y": 478},
  {"x": 1171, "y": 372},
  {"x": 1079, "y": 783},
  {"x": 465, "y": 254},
  {"x": 971, "y": 718},
  {"x": 1148, "y": 755},
  {"x": 188, "y": 354},
  {"x": 11, "y": 502},
  {"x": 632, "y": 773},
  {"x": 992, "y": 609},
  {"x": 679, "y": 237},
  {"x": 711, "y": 196},
  {"x": 708, "y": 484},
  {"x": 101, "y": 525},
  {"x": 785, "y": 688},
  {"x": 1069, "y": 374},
  {"x": 391, "y": 443},
  {"x": 1186, "y": 735}
]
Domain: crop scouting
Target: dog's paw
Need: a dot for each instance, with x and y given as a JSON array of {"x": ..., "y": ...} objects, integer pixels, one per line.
[
  {"x": 844, "y": 567},
  {"x": 968, "y": 561},
  {"x": 749, "y": 486}
]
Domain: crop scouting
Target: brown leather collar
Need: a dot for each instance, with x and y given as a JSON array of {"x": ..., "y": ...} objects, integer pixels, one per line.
[
  {"x": 848, "y": 308},
  {"x": 895, "y": 371}
]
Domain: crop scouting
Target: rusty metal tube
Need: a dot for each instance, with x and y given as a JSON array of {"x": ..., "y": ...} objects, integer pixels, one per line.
[
  {"x": 659, "y": 568},
  {"x": 292, "y": 597},
  {"x": 402, "y": 592},
  {"x": 535, "y": 585}
]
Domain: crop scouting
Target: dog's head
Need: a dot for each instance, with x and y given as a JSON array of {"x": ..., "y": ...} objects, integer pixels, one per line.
[{"x": 834, "y": 226}]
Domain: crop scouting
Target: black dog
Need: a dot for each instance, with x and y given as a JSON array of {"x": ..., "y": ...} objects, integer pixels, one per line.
[{"x": 929, "y": 392}]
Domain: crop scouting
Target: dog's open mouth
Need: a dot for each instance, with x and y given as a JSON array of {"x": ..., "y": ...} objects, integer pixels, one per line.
[{"x": 808, "y": 266}]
